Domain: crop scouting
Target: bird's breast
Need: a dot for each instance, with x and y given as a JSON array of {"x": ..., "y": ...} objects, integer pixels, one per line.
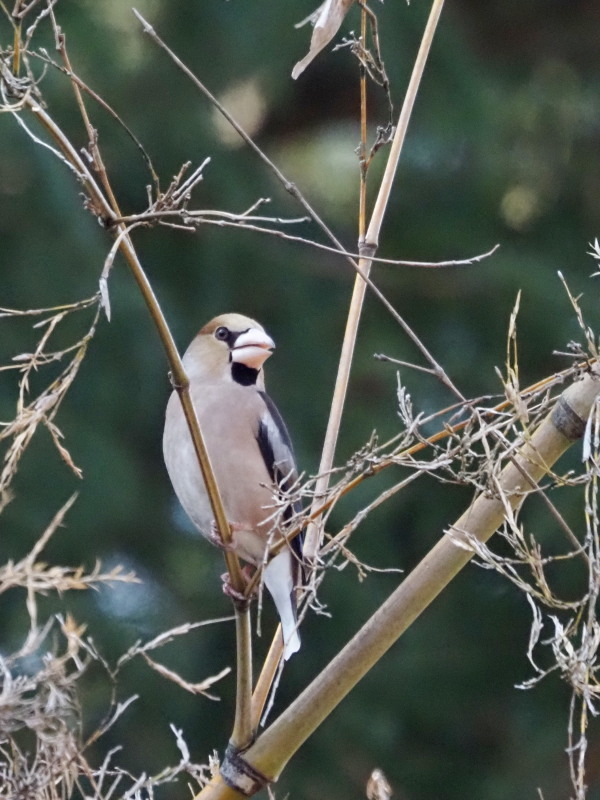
[{"x": 228, "y": 417}]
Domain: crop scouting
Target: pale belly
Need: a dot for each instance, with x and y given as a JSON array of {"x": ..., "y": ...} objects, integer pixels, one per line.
[{"x": 242, "y": 478}]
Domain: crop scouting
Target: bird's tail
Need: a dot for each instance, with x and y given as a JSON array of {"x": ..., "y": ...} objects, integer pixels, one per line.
[{"x": 279, "y": 580}]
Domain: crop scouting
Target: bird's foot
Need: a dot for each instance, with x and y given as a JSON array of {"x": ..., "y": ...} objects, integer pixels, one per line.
[
  {"x": 214, "y": 536},
  {"x": 228, "y": 589}
]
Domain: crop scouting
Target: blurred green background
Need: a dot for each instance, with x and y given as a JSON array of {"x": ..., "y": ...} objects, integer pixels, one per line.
[{"x": 502, "y": 148}]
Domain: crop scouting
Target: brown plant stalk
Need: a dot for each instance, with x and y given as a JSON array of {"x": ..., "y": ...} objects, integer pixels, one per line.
[
  {"x": 108, "y": 211},
  {"x": 267, "y": 757},
  {"x": 367, "y": 248}
]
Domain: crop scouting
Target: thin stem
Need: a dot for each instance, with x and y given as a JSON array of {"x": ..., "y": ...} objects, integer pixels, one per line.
[
  {"x": 403, "y": 120},
  {"x": 266, "y": 677},
  {"x": 180, "y": 381},
  {"x": 243, "y": 729},
  {"x": 368, "y": 249},
  {"x": 92, "y": 136},
  {"x": 16, "y": 66},
  {"x": 362, "y": 199},
  {"x": 223, "y": 219},
  {"x": 289, "y": 186},
  {"x": 312, "y": 541},
  {"x": 45, "y": 58}
]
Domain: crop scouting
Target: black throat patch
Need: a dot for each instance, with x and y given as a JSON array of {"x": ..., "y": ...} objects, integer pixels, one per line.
[{"x": 245, "y": 376}]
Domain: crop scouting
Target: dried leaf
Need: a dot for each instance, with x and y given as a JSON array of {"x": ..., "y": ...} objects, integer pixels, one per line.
[
  {"x": 64, "y": 453},
  {"x": 327, "y": 20},
  {"x": 378, "y": 788},
  {"x": 104, "y": 295}
]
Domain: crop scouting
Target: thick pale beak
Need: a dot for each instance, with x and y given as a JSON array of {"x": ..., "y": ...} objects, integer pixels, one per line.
[{"x": 252, "y": 348}]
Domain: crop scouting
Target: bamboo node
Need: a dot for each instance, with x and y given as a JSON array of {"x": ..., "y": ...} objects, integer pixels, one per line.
[
  {"x": 239, "y": 774},
  {"x": 567, "y": 421}
]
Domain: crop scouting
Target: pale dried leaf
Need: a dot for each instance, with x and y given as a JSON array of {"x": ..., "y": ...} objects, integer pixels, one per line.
[
  {"x": 214, "y": 763},
  {"x": 327, "y": 20},
  {"x": 595, "y": 251},
  {"x": 377, "y": 787},
  {"x": 181, "y": 743},
  {"x": 534, "y": 632},
  {"x": 104, "y": 296},
  {"x": 57, "y": 435}
]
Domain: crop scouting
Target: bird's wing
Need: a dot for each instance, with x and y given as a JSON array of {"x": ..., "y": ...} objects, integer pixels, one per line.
[{"x": 276, "y": 449}]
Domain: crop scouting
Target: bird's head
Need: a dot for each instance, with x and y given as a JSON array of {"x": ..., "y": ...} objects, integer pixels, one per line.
[{"x": 231, "y": 344}]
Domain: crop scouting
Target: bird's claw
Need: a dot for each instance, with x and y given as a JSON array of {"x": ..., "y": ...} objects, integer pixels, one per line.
[
  {"x": 228, "y": 589},
  {"x": 238, "y": 597},
  {"x": 215, "y": 537}
]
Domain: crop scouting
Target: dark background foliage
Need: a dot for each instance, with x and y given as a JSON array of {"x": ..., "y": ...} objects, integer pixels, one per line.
[{"x": 502, "y": 147}]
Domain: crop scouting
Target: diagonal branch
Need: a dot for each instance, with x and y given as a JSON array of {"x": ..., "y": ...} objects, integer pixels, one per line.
[
  {"x": 107, "y": 210},
  {"x": 368, "y": 247},
  {"x": 267, "y": 757},
  {"x": 101, "y": 207}
]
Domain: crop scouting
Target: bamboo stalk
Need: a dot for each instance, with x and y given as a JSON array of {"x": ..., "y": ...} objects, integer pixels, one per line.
[
  {"x": 559, "y": 429},
  {"x": 362, "y": 195},
  {"x": 243, "y": 729},
  {"x": 368, "y": 248},
  {"x": 266, "y": 677}
]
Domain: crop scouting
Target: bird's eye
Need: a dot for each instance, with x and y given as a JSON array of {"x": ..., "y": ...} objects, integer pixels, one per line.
[{"x": 221, "y": 334}]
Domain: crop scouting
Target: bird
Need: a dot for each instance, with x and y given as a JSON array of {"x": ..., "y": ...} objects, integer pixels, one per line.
[{"x": 250, "y": 451}]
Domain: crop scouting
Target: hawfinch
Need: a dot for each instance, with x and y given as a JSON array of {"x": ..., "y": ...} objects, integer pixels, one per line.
[{"x": 249, "y": 449}]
